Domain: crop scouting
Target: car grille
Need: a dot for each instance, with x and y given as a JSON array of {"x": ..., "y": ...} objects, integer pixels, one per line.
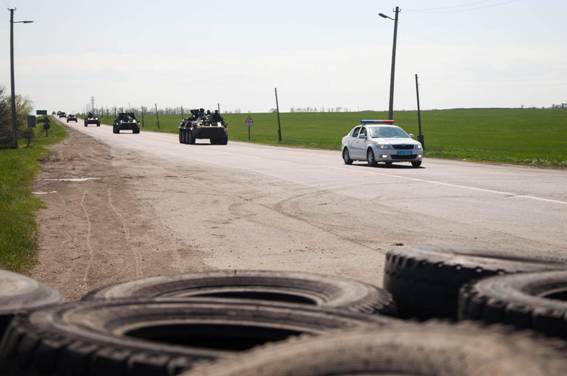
[
  {"x": 403, "y": 147},
  {"x": 404, "y": 157}
]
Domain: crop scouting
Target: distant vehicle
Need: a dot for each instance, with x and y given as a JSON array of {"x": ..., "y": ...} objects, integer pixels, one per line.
[
  {"x": 92, "y": 119},
  {"x": 126, "y": 121},
  {"x": 61, "y": 114},
  {"x": 71, "y": 117},
  {"x": 203, "y": 125},
  {"x": 377, "y": 141}
]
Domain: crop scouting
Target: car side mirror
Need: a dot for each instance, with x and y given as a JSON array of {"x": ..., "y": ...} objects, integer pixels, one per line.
[{"x": 411, "y": 135}]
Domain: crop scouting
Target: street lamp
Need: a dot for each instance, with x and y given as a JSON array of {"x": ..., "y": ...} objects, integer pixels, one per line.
[
  {"x": 13, "y": 84},
  {"x": 395, "y": 19}
]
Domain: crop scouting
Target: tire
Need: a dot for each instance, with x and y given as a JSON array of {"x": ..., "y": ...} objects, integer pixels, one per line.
[
  {"x": 127, "y": 338},
  {"x": 425, "y": 283},
  {"x": 370, "y": 158},
  {"x": 181, "y": 137},
  {"x": 115, "y": 130},
  {"x": 20, "y": 294},
  {"x": 410, "y": 349},
  {"x": 98, "y": 124},
  {"x": 536, "y": 301},
  {"x": 223, "y": 141},
  {"x": 190, "y": 139},
  {"x": 389, "y": 164},
  {"x": 288, "y": 287},
  {"x": 416, "y": 164},
  {"x": 346, "y": 157},
  {"x": 136, "y": 131}
]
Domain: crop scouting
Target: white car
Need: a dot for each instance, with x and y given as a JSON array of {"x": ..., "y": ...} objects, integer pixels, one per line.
[{"x": 381, "y": 141}]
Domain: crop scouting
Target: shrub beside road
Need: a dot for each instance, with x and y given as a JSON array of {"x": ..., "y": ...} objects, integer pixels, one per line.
[
  {"x": 519, "y": 136},
  {"x": 18, "y": 240}
]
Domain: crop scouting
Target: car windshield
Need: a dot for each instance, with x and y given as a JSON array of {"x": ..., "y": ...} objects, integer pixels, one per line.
[{"x": 387, "y": 132}]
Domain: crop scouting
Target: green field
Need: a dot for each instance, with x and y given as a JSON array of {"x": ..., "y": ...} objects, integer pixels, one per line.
[
  {"x": 520, "y": 136},
  {"x": 18, "y": 206}
]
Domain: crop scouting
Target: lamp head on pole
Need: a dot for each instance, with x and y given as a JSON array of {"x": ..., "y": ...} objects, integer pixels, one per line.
[{"x": 385, "y": 16}]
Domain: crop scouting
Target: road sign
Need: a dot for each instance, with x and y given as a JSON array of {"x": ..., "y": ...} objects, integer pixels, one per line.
[
  {"x": 41, "y": 112},
  {"x": 249, "y": 121}
]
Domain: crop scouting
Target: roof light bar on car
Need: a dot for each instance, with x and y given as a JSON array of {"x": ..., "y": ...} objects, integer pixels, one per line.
[{"x": 369, "y": 121}]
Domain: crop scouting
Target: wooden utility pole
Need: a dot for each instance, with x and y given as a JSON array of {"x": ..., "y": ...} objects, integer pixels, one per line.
[
  {"x": 420, "y": 137},
  {"x": 279, "y": 119},
  {"x": 157, "y": 117}
]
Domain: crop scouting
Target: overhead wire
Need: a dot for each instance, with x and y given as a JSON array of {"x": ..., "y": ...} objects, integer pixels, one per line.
[{"x": 471, "y": 6}]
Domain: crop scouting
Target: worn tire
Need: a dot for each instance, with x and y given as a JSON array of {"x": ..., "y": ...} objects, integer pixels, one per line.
[
  {"x": 288, "y": 287},
  {"x": 371, "y": 158},
  {"x": 126, "y": 338},
  {"x": 346, "y": 157},
  {"x": 425, "y": 282},
  {"x": 536, "y": 301},
  {"x": 410, "y": 349},
  {"x": 20, "y": 294}
]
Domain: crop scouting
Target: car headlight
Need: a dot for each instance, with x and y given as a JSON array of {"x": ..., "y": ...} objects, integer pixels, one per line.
[
  {"x": 418, "y": 147},
  {"x": 385, "y": 147}
]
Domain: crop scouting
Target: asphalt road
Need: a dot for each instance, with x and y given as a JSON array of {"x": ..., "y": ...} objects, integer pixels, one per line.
[{"x": 289, "y": 208}]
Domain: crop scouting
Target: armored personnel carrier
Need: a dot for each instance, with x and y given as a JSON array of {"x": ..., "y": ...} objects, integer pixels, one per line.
[
  {"x": 203, "y": 125},
  {"x": 126, "y": 121},
  {"x": 92, "y": 119}
]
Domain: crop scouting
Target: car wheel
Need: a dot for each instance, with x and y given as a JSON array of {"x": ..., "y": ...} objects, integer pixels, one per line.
[
  {"x": 416, "y": 164},
  {"x": 190, "y": 139},
  {"x": 425, "y": 282},
  {"x": 181, "y": 137},
  {"x": 389, "y": 164},
  {"x": 346, "y": 157},
  {"x": 371, "y": 158}
]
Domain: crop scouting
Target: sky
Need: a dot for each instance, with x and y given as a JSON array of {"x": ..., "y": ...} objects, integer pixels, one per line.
[{"x": 318, "y": 53}]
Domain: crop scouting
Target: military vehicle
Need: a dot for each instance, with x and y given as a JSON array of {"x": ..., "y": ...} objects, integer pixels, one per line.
[
  {"x": 92, "y": 119},
  {"x": 126, "y": 121},
  {"x": 203, "y": 125}
]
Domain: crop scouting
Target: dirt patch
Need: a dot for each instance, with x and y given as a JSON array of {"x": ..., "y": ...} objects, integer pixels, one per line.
[{"x": 95, "y": 230}]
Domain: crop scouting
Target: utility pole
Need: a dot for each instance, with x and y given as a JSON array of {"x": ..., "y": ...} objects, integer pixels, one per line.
[
  {"x": 279, "y": 120},
  {"x": 157, "y": 117},
  {"x": 393, "y": 72},
  {"x": 12, "y": 83},
  {"x": 218, "y": 107},
  {"x": 420, "y": 137},
  {"x": 92, "y": 105},
  {"x": 12, "y": 80}
]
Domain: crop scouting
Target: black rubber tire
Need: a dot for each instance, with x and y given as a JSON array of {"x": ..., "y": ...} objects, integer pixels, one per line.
[
  {"x": 371, "y": 158},
  {"x": 98, "y": 124},
  {"x": 136, "y": 131},
  {"x": 416, "y": 164},
  {"x": 346, "y": 157},
  {"x": 430, "y": 349},
  {"x": 126, "y": 338},
  {"x": 288, "y": 287},
  {"x": 425, "y": 282},
  {"x": 115, "y": 130},
  {"x": 181, "y": 141},
  {"x": 190, "y": 139},
  {"x": 20, "y": 294},
  {"x": 223, "y": 141},
  {"x": 536, "y": 301}
]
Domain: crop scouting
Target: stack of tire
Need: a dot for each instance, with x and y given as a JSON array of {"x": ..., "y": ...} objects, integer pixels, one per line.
[{"x": 251, "y": 323}]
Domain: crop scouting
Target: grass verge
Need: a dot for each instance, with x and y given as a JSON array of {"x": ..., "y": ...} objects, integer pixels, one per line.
[{"x": 18, "y": 206}]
